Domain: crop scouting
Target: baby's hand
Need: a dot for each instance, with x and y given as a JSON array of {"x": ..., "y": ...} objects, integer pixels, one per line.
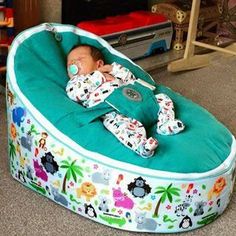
[
  {"x": 108, "y": 77},
  {"x": 105, "y": 69}
]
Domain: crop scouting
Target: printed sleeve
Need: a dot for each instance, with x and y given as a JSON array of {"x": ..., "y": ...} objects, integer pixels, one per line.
[
  {"x": 80, "y": 87},
  {"x": 122, "y": 73}
]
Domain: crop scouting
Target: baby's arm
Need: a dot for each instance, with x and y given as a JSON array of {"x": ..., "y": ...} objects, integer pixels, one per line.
[
  {"x": 122, "y": 73},
  {"x": 80, "y": 87}
]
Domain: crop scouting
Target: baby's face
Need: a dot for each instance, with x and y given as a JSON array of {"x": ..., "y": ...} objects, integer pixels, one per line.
[{"x": 82, "y": 59}]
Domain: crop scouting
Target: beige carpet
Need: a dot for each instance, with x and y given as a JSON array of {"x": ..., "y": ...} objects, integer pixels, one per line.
[{"x": 24, "y": 212}]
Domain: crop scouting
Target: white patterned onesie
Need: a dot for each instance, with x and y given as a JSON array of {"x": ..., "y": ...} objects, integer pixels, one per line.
[{"x": 92, "y": 89}]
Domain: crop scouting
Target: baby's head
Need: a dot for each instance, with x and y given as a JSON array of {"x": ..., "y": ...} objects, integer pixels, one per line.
[{"x": 83, "y": 59}]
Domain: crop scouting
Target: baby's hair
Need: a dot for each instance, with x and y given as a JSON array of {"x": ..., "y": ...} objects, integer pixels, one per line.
[{"x": 95, "y": 53}]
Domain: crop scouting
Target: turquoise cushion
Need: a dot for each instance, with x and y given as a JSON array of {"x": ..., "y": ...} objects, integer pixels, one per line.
[
  {"x": 40, "y": 69},
  {"x": 143, "y": 109}
]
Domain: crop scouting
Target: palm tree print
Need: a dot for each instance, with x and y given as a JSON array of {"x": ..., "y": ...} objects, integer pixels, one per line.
[
  {"x": 72, "y": 170},
  {"x": 12, "y": 149},
  {"x": 166, "y": 193}
]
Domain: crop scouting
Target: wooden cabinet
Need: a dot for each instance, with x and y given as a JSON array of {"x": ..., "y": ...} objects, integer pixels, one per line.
[{"x": 27, "y": 14}]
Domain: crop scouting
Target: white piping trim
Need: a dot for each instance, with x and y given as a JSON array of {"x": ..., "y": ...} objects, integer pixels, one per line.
[
  {"x": 92, "y": 155},
  {"x": 145, "y": 84}
]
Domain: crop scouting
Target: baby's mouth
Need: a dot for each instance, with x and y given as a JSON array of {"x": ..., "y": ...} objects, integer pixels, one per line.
[{"x": 73, "y": 69}]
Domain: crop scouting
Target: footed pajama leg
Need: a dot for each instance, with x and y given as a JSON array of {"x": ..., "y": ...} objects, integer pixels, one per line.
[
  {"x": 166, "y": 123},
  {"x": 131, "y": 133}
]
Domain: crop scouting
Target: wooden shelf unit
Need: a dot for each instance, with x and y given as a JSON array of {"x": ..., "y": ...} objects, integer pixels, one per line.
[{"x": 191, "y": 60}]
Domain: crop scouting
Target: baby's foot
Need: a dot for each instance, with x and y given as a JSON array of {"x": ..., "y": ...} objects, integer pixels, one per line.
[
  {"x": 170, "y": 127},
  {"x": 164, "y": 101},
  {"x": 146, "y": 147}
]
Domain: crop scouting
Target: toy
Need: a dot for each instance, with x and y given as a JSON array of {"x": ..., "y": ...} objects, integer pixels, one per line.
[
  {"x": 8, "y": 22},
  {"x": 7, "y": 30}
]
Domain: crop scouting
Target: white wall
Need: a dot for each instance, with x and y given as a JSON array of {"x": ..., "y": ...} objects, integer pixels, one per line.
[{"x": 51, "y": 11}]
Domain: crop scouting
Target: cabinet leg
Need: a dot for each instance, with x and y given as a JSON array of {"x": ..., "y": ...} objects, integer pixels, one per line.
[{"x": 194, "y": 62}]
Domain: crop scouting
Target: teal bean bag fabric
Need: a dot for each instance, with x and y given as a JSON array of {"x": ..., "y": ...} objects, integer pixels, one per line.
[{"x": 40, "y": 69}]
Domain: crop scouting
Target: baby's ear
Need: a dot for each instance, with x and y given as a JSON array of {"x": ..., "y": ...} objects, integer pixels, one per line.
[{"x": 100, "y": 63}]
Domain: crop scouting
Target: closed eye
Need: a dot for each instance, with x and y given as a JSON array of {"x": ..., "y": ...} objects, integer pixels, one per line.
[{"x": 72, "y": 61}]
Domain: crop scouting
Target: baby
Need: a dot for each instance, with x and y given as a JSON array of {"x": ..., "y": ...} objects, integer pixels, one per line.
[{"x": 91, "y": 82}]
